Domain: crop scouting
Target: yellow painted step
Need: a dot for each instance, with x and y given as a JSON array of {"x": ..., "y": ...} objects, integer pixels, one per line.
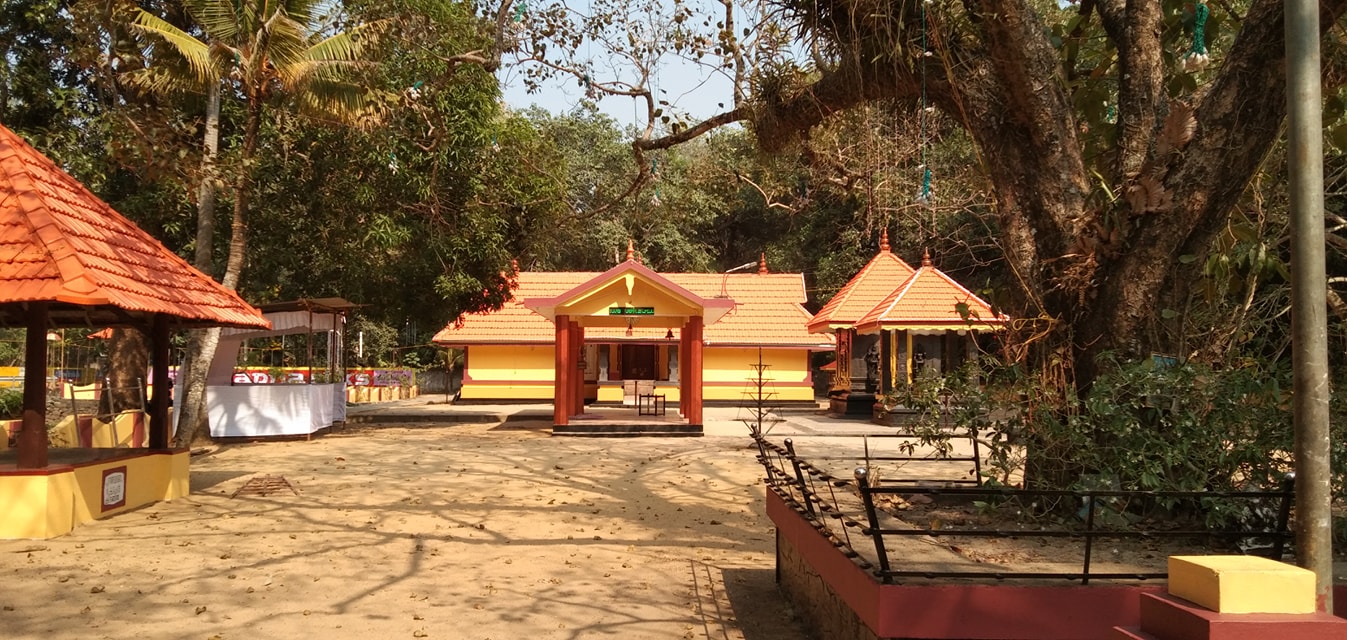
[{"x": 1242, "y": 584}]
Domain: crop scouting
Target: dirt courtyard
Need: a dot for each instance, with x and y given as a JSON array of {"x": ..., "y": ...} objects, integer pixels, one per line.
[{"x": 475, "y": 532}]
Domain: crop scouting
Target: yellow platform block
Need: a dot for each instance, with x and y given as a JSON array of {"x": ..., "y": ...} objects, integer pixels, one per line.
[{"x": 1242, "y": 584}]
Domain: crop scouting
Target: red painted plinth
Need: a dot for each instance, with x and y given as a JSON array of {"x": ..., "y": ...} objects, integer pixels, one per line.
[
  {"x": 961, "y": 610},
  {"x": 1169, "y": 618}
]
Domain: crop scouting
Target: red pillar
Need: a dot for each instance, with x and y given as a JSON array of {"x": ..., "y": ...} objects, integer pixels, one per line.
[
  {"x": 694, "y": 412},
  {"x": 160, "y": 429},
  {"x": 561, "y": 397},
  {"x": 577, "y": 351},
  {"x": 684, "y": 381},
  {"x": 32, "y": 443}
]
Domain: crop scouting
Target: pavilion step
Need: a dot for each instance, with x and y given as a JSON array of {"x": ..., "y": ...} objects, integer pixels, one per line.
[{"x": 627, "y": 430}]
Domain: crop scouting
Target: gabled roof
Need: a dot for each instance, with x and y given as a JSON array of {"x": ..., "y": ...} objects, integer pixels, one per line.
[
  {"x": 769, "y": 311},
  {"x": 60, "y": 243},
  {"x": 713, "y": 309},
  {"x": 934, "y": 301},
  {"x": 877, "y": 279}
]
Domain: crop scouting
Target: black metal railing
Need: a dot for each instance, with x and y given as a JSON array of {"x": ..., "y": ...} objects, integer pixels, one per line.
[
  {"x": 971, "y": 462},
  {"x": 835, "y": 505}
]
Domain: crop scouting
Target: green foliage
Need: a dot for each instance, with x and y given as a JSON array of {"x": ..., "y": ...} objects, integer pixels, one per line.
[
  {"x": 11, "y": 404},
  {"x": 369, "y": 343},
  {"x": 938, "y": 408},
  {"x": 1144, "y": 426},
  {"x": 1148, "y": 426}
]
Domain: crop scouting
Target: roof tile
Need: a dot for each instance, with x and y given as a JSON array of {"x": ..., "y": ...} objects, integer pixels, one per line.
[
  {"x": 768, "y": 311},
  {"x": 930, "y": 298},
  {"x": 59, "y": 242},
  {"x": 877, "y": 279}
]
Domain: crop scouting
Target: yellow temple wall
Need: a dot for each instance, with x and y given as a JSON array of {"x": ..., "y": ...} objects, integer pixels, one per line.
[
  {"x": 515, "y": 372},
  {"x": 509, "y": 372},
  {"x": 727, "y": 371},
  {"x": 54, "y": 502}
]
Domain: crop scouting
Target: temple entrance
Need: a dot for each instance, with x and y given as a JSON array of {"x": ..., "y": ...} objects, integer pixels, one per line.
[{"x": 638, "y": 361}]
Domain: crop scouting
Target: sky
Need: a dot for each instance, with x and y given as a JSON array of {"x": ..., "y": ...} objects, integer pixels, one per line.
[
  {"x": 684, "y": 85},
  {"x": 689, "y": 87}
]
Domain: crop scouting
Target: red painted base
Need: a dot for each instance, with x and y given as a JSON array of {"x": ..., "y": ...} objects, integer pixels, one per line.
[
  {"x": 1131, "y": 633},
  {"x": 961, "y": 610},
  {"x": 1041, "y": 612},
  {"x": 1169, "y": 618}
]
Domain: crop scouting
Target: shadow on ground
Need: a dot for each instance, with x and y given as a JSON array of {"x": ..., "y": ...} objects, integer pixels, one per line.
[
  {"x": 523, "y": 423},
  {"x": 202, "y": 480},
  {"x": 762, "y": 611}
]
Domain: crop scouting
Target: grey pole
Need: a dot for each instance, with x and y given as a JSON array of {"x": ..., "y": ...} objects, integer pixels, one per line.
[{"x": 1309, "y": 322}]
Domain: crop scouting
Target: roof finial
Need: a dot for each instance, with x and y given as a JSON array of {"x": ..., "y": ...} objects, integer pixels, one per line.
[
  {"x": 884, "y": 241},
  {"x": 762, "y": 263},
  {"x": 631, "y": 250},
  {"x": 925, "y": 257}
]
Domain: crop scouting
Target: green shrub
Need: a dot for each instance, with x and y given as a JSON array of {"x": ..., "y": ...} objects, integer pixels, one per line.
[
  {"x": 11, "y": 404},
  {"x": 1144, "y": 426}
]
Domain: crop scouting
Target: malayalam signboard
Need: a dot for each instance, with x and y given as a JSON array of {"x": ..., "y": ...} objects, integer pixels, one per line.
[{"x": 631, "y": 311}]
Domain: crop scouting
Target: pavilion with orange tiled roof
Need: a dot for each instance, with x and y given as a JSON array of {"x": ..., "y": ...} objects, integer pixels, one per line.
[
  {"x": 690, "y": 337},
  {"x": 877, "y": 279},
  {"x": 67, "y": 259},
  {"x": 890, "y": 319},
  {"x": 925, "y": 323}
]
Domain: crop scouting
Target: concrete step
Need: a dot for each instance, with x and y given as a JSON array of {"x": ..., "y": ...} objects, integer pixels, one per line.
[{"x": 1171, "y": 618}]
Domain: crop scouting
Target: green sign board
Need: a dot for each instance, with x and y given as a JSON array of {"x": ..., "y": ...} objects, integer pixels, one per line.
[{"x": 631, "y": 311}]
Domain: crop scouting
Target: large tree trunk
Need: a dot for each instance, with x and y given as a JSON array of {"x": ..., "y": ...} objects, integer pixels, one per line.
[
  {"x": 128, "y": 364},
  {"x": 1092, "y": 268}
]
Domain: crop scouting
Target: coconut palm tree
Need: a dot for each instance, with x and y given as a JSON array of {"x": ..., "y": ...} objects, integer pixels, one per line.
[{"x": 261, "y": 52}]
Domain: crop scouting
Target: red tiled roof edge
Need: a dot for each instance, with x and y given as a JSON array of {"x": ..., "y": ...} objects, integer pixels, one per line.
[
  {"x": 78, "y": 287},
  {"x": 824, "y": 318}
]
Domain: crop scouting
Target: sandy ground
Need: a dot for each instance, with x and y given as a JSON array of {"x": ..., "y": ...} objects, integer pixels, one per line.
[{"x": 472, "y": 531}]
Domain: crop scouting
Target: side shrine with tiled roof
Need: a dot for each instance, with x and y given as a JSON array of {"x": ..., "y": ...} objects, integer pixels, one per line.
[
  {"x": 636, "y": 333},
  {"x": 67, "y": 259},
  {"x": 892, "y": 322}
]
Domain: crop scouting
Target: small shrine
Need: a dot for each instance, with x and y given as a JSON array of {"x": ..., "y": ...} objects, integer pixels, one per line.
[
  {"x": 892, "y": 321},
  {"x": 67, "y": 259}
]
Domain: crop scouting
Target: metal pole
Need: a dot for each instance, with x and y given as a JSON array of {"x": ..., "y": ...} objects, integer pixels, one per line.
[{"x": 1309, "y": 322}]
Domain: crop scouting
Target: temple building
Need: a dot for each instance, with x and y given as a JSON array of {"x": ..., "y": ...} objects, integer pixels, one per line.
[
  {"x": 891, "y": 322},
  {"x": 630, "y": 331}
]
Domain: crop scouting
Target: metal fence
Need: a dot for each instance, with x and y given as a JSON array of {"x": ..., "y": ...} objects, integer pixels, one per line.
[{"x": 840, "y": 507}]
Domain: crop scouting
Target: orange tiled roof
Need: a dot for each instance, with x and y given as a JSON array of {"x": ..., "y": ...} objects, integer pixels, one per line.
[
  {"x": 877, "y": 279},
  {"x": 931, "y": 299},
  {"x": 60, "y": 243},
  {"x": 714, "y": 307},
  {"x": 768, "y": 311}
]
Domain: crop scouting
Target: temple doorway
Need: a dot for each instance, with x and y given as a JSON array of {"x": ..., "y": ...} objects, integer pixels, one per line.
[{"x": 638, "y": 361}]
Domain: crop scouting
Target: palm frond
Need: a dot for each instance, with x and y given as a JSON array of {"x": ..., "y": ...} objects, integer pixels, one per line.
[
  {"x": 161, "y": 80},
  {"x": 352, "y": 44},
  {"x": 334, "y": 58},
  {"x": 346, "y": 101},
  {"x": 301, "y": 11},
  {"x": 221, "y": 19},
  {"x": 287, "y": 40},
  {"x": 195, "y": 52}
]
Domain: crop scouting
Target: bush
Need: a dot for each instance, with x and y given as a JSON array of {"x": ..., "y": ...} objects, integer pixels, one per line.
[
  {"x": 1144, "y": 426},
  {"x": 11, "y": 404}
]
